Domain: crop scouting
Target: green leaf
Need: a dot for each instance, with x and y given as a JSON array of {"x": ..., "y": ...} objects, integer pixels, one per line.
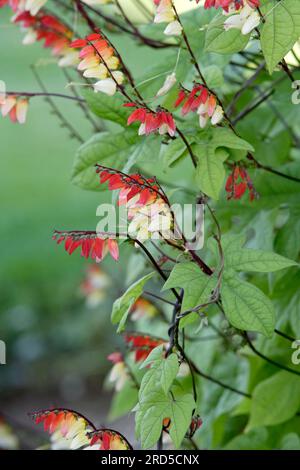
[
  {"x": 154, "y": 356},
  {"x": 238, "y": 258},
  {"x": 106, "y": 107},
  {"x": 169, "y": 370},
  {"x": 275, "y": 400},
  {"x": 197, "y": 285},
  {"x": 123, "y": 401},
  {"x": 210, "y": 172},
  {"x": 162, "y": 374},
  {"x": 213, "y": 76},
  {"x": 290, "y": 442},
  {"x": 107, "y": 149},
  {"x": 154, "y": 408},
  {"x": 280, "y": 31},
  {"x": 246, "y": 259},
  {"x": 224, "y": 137},
  {"x": 173, "y": 152},
  {"x": 246, "y": 307},
  {"x": 122, "y": 305},
  {"x": 212, "y": 148},
  {"x": 224, "y": 42},
  {"x": 256, "y": 439}
]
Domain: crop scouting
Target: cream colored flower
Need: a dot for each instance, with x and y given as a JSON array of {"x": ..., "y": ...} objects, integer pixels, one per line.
[{"x": 246, "y": 20}]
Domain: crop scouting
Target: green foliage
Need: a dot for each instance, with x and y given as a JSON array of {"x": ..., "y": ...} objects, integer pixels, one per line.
[
  {"x": 109, "y": 108},
  {"x": 122, "y": 305},
  {"x": 154, "y": 407},
  {"x": 212, "y": 149},
  {"x": 197, "y": 287},
  {"x": 246, "y": 307},
  {"x": 275, "y": 400},
  {"x": 280, "y": 31},
  {"x": 221, "y": 41},
  {"x": 105, "y": 150}
]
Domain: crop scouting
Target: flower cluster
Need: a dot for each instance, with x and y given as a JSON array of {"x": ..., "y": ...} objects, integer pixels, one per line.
[
  {"x": 202, "y": 102},
  {"x": 19, "y": 6},
  {"x": 68, "y": 429},
  {"x": 90, "y": 243},
  {"x": 14, "y": 107},
  {"x": 152, "y": 220},
  {"x": 246, "y": 19},
  {"x": 118, "y": 374},
  {"x": 142, "y": 345},
  {"x": 148, "y": 210},
  {"x": 48, "y": 28},
  {"x": 94, "y": 286},
  {"x": 165, "y": 14},
  {"x": 237, "y": 184},
  {"x": 72, "y": 431},
  {"x": 242, "y": 13},
  {"x": 228, "y": 5},
  {"x": 107, "y": 439},
  {"x": 130, "y": 186},
  {"x": 99, "y": 61},
  {"x": 161, "y": 121}
]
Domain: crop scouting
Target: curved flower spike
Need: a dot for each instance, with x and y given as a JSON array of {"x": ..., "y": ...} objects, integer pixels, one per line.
[
  {"x": 90, "y": 243},
  {"x": 108, "y": 439},
  {"x": 69, "y": 429}
]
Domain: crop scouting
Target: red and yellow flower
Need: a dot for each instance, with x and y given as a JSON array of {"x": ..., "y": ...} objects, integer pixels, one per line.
[
  {"x": 230, "y": 4},
  {"x": 48, "y": 28},
  {"x": 107, "y": 439},
  {"x": 118, "y": 374},
  {"x": 98, "y": 60},
  {"x": 160, "y": 121},
  {"x": 14, "y": 107},
  {"x": 70, "y": 430},
  {"x": 142, "y": 345},
  {"x": 91, "y": 244},
  {"x": 201, "y": 101},
  {"x": 237, "y": 184}
]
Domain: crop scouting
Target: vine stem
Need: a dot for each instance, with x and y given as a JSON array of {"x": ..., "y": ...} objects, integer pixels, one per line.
[
  {"x": 267, "y": 359},
  {"x": 187, "y": 43}
]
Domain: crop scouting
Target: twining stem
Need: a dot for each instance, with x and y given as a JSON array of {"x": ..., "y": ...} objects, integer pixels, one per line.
[
  {"x": 185, "y": 38},
  {"x": 267, "y": 359}
]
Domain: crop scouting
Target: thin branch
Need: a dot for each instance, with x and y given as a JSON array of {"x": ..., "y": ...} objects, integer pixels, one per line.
[
  {"x": 158, "y": 297},
  {"x": 252, "y": 107},
  {"x": 284, "y": 335},
  {"x": 64, "y": 122},
  {"x": 267, "y": 359},
  {"x": 33, "y": 94},
  {"x": 219, "y": 382}
]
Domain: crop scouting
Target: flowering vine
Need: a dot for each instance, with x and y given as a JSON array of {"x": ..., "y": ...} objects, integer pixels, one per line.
[{"x": 165, "y": 371}]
